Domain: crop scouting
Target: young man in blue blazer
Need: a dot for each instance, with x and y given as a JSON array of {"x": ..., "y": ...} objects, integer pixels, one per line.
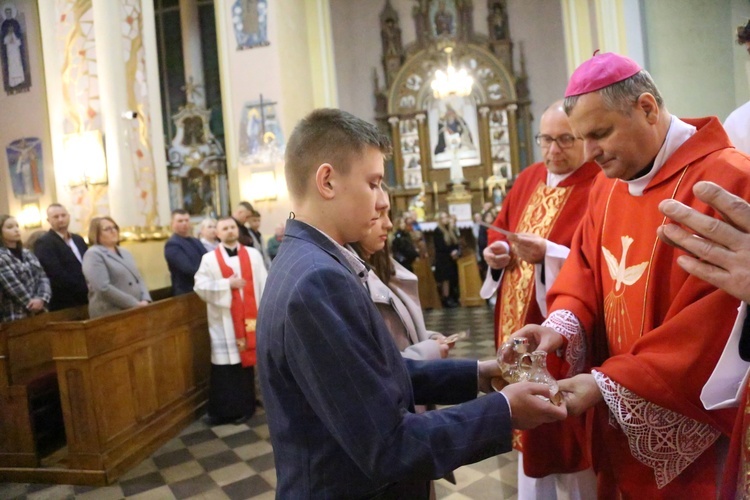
[{"x": 338, "y": 395}]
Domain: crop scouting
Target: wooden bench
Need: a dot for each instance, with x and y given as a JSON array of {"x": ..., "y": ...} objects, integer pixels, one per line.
[
  {"x": 128, "y": 383},
  {"x": 30, "y": 418}
]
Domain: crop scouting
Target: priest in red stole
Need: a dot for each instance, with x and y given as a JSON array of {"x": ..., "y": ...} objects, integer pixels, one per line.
[
  {"x": 642, "y": 333},
  {"x": 230, "y": 280},
  {"x": 543, "y": 209}
]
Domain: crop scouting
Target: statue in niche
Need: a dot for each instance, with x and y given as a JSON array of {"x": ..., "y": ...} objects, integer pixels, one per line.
[
  {"x": 443, "y": 20},
  {"x": 498, "y": 21},
  {"x": 15, "y": 57},
  {"x": 391, "y": 34},
  {"x": 453, "y": 130},
  {"x": 193, "y": 131},
  {"x": 197, "y": 193}
]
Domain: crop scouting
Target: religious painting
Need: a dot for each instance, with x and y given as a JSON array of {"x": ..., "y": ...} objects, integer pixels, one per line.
[
  {"x": 26, "y": 167},
  {"x": 250, "y": 20},
  {"x": 260, "y": 132},
  {"x": 14, "y": 51},
  {"x": 410, "y": 152},
  {"x": 454, "y": 132},
  {"x": 443, "y": 18},
  {"x": 198, "y": 193},
  {"x": 500, "y": 144}
]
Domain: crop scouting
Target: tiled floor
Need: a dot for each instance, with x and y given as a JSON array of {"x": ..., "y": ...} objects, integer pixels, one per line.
[{"x": 236, "y": 461}]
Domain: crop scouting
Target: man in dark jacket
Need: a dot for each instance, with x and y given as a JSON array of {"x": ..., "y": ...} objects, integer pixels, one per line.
[
  {"x": 183, "y": 253},
  {"x": 61, "y": 252}
]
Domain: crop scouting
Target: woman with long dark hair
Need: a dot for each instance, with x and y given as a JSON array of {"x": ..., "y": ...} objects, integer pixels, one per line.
[{"x": 24, "y": 288}]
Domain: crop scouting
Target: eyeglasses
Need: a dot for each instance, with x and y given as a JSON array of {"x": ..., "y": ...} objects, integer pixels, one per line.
[
  {"x": 110, "y": 229},
  {"x": 564, "y": 141}
]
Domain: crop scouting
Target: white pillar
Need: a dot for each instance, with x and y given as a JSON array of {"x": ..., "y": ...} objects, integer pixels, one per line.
[{"x": 191, "y": 49}]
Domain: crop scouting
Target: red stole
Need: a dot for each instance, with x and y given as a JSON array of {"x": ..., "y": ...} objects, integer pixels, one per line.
[{"x": 244, "y": 308}]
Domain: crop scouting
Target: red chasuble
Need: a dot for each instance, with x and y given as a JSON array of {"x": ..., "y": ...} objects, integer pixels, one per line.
[
  {"x": 651, "y": 327},
  {"x": 244, "y": 308},
  {"x": 553, "y": 213}
]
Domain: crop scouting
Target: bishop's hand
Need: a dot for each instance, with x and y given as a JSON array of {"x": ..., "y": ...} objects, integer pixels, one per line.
[
  {"x": 540, "y": 338},
  {"x": 722, "y": 247}
]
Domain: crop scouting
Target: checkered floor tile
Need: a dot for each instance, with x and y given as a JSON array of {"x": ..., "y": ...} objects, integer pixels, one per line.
[{"x": 236, "y": 461}]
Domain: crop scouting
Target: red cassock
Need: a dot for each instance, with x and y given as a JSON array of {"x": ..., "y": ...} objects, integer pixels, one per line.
[
  {"x": 553, "y": 213},
  {"x": 651, "y": 327}
]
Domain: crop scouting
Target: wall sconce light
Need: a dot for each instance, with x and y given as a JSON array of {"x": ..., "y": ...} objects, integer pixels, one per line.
[
  {"x": 84, "y": 158},
  {"x": 261, "y": 185},
  {"x": 31, "y": 215}
]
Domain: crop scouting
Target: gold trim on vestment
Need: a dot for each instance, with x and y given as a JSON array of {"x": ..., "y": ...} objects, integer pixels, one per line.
[{"x": 539, "y": 217}]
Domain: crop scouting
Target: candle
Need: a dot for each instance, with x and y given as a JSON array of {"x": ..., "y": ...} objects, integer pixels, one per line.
[{"x": 434, "y": 196}]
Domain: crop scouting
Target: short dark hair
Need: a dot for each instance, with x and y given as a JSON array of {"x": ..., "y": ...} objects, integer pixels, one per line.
[
  {"x": 54, "y": 205},
  {"x": 180, "y": 211},
  {"x": 246, "y": 205},
  {"x": 227, "y": 217},
  {"x": 743, "y": 34},
  {"x": 254, "y": 214},
  {"x": 328, "y": 136}
]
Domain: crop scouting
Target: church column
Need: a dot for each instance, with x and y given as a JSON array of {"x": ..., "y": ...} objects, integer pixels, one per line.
[
  {"x": 100, "y": 80},
  {"x": 579, "y": 43},
  {"x": 191, "y": 49},
  {"x": 424, "y": 153},
  {"x": 515, "y": 157},
  {"x": 616, "y": 27},
  {"x": 398, "y": 164},
  {"x": 485, "y": 140}
]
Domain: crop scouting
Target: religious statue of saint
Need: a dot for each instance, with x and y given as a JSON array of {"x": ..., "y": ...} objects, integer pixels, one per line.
[
  {"x": 497, "y": 22},
  {"x": 443, "y": 20},
  {"x": 391, "y": 35},
  {"x": 13, "y": 53},
  {"x": 453, "y": 131}
]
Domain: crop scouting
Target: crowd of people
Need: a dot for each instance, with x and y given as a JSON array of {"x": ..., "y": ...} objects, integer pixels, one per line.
[{"x": 623, "y": 255}]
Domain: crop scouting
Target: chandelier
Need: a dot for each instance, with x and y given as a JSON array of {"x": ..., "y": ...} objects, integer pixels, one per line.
[{"x": 451, "y": 82}]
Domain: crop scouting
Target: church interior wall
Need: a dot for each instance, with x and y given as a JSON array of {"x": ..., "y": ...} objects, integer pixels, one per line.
[
  {"x": 281, "y": 72},
  {"x": 24, "y": 115},
  {"x": 692, "y": 54}
]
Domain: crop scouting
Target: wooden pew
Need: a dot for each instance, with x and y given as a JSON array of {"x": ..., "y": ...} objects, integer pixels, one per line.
[
  {"x": 469, "y": 281},
  {"x": 128, "y": 382},
  {"x": 131, "y": 381},
  {"x": 26, "y": 370}
]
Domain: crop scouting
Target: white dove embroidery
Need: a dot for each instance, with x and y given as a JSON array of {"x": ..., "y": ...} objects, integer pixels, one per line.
[{"x": 617, "y": 270}]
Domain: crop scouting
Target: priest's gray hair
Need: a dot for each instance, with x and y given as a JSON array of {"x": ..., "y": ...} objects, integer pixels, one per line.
[{"x": 621, "y": 96}]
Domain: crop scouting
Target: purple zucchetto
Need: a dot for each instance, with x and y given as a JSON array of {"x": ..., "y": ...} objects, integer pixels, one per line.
[{"x": 602, "y": 70}]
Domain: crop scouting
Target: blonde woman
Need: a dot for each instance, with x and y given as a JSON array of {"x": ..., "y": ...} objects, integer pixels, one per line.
[
  {"x": 206, "y": 232},
  {"x": 446, "y": 253},
  {"x": 111, "y": 273}
]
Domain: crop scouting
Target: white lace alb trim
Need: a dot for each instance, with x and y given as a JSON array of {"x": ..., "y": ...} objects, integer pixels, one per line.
[
  {"x": 664, "y": 440},
  {"x": 567, "y": 324}
]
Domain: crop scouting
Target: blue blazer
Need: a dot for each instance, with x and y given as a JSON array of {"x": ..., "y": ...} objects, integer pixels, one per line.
[
  {"x": 183, "y": 257},
  {"x": 65, "y": 272},
  {"x": 339, "y": 397}
]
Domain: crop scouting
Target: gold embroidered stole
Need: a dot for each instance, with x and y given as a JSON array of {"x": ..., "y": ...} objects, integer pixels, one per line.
[{"x": 539, "y": 217}]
